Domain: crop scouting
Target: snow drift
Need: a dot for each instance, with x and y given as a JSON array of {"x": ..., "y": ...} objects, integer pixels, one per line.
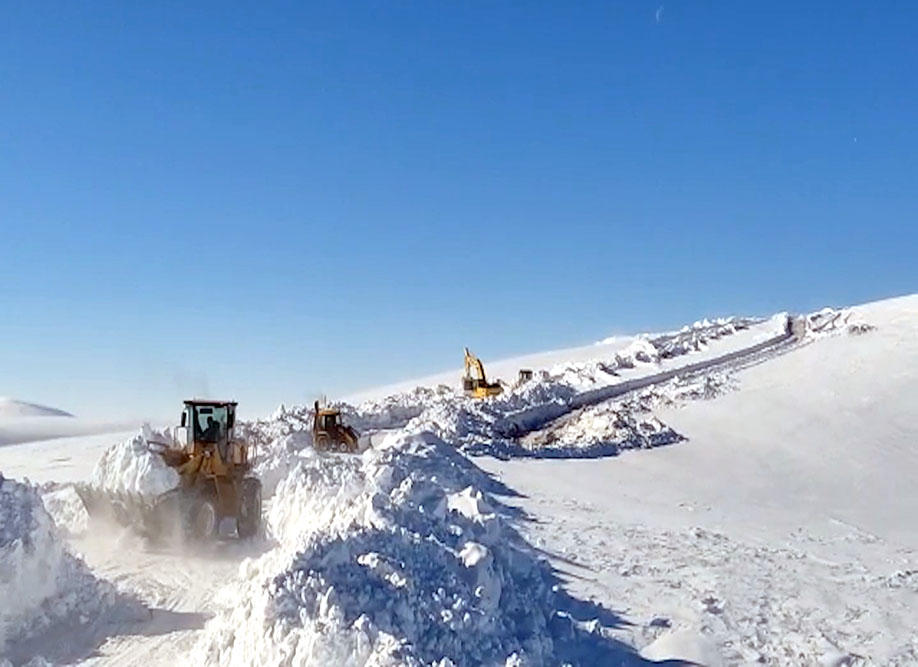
[
  {"x": 400, "y": 556},
  {"x": 41, "y": 583}
]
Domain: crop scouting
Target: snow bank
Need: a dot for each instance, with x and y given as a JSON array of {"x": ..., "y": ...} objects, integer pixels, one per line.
[
  {"x": 383, "y": 414},
  {"x": 833, "y": 321},
  {"x": 66, "y": 509},
  {"x": 130, "y": 467},
  {"x": 613, "y": 426},
  {"x": 400, "y": 556},
  {"x": 41, "y": 583}
]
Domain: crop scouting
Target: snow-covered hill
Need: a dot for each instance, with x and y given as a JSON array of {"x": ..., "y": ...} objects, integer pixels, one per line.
[
  {"x": 782, "y": 528},
  {"x": 735, "y": 492},
  {"x": 21, "y": 422},
  {"x": 11, "y": 408}
]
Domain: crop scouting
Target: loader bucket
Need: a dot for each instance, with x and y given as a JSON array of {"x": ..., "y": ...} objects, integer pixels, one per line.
[{"x": 152, "y": 517}]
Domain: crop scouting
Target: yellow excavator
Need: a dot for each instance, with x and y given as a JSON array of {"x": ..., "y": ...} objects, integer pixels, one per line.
[{"x": 474, "y": 381}]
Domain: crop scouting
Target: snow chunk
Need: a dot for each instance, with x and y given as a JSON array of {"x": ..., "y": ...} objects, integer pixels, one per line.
[{"x": 130, "y": 467}]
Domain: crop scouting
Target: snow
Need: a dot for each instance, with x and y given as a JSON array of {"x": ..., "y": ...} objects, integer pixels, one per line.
[
  {"x": 41, "y": 582},
  {"x": 725, "y": 494},
  {"x": 17, "y": 430},
  {"x": 394, "y": 557},
  {"x": 10, "y": 407},
  {"x": 70, "y": 459},
  {"x": 130, "y": 467},
  {"x": 22, "y": 422},
  {"x": 781, "y": 528}
]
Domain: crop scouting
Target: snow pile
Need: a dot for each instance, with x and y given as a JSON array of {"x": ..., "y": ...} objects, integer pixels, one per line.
[
  {"x": 611, "y": 427},
  {"x": 399, "y": 556},
  {"x": 130, "y": 467},
  {"x": 41, "y": 583},
  {"x": 387, "y": 413},
  {"x": 602, "y": 430},
  {"x": 396, "y": 410},
  {"x": 66, "y": 508},
  {"x": 695, "y": 335},
  {"x": 641, "y": 351},
  {"x": 831, "y": 321}
]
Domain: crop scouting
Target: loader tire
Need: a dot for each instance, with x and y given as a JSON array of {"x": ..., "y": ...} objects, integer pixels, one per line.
[
  {"x": 202, "y": 520},
  {"x": 249, "y": 520}
]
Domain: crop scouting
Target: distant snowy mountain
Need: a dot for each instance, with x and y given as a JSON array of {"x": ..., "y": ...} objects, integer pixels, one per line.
[
  {"x": 10, "y": 408},
  {"x": 21, "y": 421}
]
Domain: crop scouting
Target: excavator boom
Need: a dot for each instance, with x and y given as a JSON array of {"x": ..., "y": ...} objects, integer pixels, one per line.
[{"x": 475, "y": 382}]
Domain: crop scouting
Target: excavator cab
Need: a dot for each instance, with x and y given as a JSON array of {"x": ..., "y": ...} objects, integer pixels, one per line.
[{"x": 474, "y": 381}]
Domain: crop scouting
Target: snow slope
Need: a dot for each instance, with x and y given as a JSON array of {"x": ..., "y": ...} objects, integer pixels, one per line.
[
  {"x": 781, "y": 529},
  {"x": 17, "y": 430},
  {"x": 21, "y": 422}
]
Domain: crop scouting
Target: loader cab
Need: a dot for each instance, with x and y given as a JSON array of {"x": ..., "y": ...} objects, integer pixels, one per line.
[
  {"x": 209, "y": 422},
  {"x": 328, "y": 420}
]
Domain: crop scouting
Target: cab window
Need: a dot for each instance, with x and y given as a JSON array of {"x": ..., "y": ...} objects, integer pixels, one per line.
[{"x": 210, "y": 422}]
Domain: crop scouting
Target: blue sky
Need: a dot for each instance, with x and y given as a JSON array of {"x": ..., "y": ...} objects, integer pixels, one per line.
[{"x": 271, "y": 200}]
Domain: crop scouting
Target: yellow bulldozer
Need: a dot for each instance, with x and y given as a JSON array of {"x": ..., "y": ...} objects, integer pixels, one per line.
[
  {"x": 475, "y": 382},
  {"x": 216, "y": 481}
]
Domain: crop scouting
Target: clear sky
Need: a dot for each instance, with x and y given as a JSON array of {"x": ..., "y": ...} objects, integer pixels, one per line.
[{"x": 270, "y": 200}]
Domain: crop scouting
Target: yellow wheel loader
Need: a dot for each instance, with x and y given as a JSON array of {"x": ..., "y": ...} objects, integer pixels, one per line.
[
  {"x": 474, "y": 381},
  {"x": 330, "y": 434},
  {"x": 216, "y": 481}
]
